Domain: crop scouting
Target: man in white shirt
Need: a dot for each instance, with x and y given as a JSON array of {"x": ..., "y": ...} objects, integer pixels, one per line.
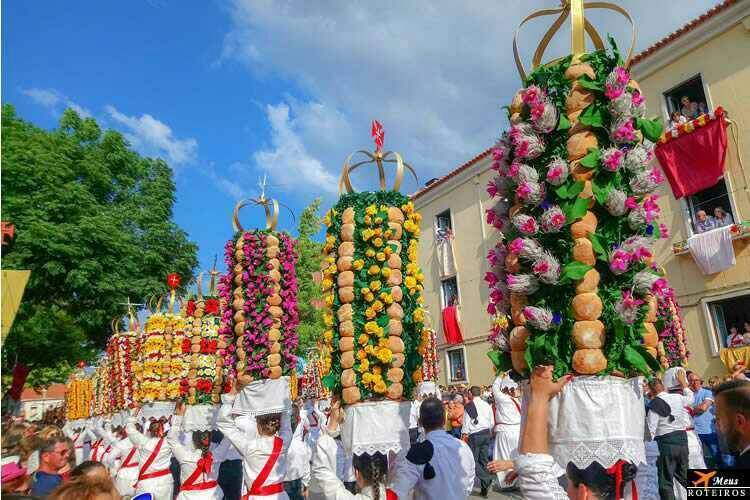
[
  {"x": 667, "y": 418},
  {"x": 477, "y": 428},
  {"x": 438, "y": 467}
]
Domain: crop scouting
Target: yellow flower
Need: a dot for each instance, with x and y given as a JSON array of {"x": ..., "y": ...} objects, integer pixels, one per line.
[
  {"x": 416, "y": 216},
  {"x": 410, "y": 282},
  {"x": 332, "y": 269},
  {"x": 377, "y": 242},
  {"x": 326, "y": 284},
  {"x": 375, "y": 285},
  {"x": 388, "y": 250},
  {"x": 380, "y": 256},
  {"x": 377, "y": 306},
  {"x": 367, "y": 378},
  {"x": 364, "y": 290},
  {"x": 368, "y": 220},
  {"x": 419, "y": 315},
  {"x": 358, "y": 264},
  {"x": 367, "y": 234},
  {"x": 407, "y": 208},
  {"x": 388, "y": 299},
  {"x": 369, "y": 349},
  {"x": 411, "y": 269},
  {"x": 331, "y": 239},
  {"x": 378, "y": 232},
  {"x": 328, "y": 319},
  {"x": 369, "y": 313},
  {"x": 383, "y": 208},
  {"x": 385, "y": 355},
  {"x": 420, "y": 277},
  {"x": 373, "y": 270},
  {"x": 369, "y": 297},
  {"x": 371, "y": 210},
  {"x": 372, "y": 328},
  {"x": 328, "y": 335},
  {"x": 377, "y": 370},
  {"x": 361, "y": 354},
  {"x": 380, "y": 387},
  {"x": 420, "y": 300},
  {"x": 362, "y": 339},
  {"x": 370, "y": 252},
  {"x": 363, "y": 366}
]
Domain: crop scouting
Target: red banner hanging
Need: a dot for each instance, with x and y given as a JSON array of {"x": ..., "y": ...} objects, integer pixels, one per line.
[
  {"x": 451, "y": 326},
  {"x": 20, "y": 372},
  {"x": 692, "y": 157}
]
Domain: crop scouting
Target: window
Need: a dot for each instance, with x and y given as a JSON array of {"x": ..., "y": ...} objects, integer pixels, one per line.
[
  {"x": 443, "y": 221},
  {"x": 456, "y": 360},
  {"x": 728, "y": 315},
  {"x": 710, "y": 208},
  {"x": 688, "y": 99},
  {"x": 449, "y": 288}
]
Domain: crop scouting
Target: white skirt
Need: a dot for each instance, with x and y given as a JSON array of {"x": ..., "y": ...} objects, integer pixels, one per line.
[
  {"x": 125, "y": 479},
  {"x": 506, "y": 448},
  {"x": 160, "y": 487},
  {"x": 214, "y": 493}
]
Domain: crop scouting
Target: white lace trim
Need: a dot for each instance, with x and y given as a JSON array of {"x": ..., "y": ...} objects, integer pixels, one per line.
[
  {"x": 263, "y": 397},
  {"x": 376, "y": 426},
  {"x": 606, "y": 452},
  {"x": 372, "y": 448},
  {"x": 157, "y": 410}
]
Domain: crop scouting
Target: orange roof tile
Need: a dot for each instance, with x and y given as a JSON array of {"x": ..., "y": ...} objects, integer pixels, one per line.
[
  {"x": 54, "y": 391},
  {"x": 683, "y": 30},
  {"x": 452, "y": 173}
]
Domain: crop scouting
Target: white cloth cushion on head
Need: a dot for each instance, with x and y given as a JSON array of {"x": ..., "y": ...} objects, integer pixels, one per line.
[
  {"x": 263, "y": 397},
  {"x": 200, "y": 418},
  {"x": 157, "y": 410},
  {"x": 376, "y": 426},
  {"x": 596, "y": 419},
  {"x": 670, "y": 380},
  {"x": 508, "y": 383}
]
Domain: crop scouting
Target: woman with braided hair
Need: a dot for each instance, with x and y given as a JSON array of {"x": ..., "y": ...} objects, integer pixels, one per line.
[
  {"x": 371, "y": 470},
  {"x": 199, "y": 461}
]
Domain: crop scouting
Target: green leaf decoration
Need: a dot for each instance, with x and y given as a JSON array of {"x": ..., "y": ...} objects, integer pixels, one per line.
[
  {"x": 651, "y": 129},
  {"x": 657, "y": 232},
  {"x": 600, "y": 192},
  {"x": 591, "y": 160},
  {"x": 564, "y": 123},
  {"x": 587, "y": 83},
  {"x": 501, "y": 360},
  {"x": 568, "y": 191},
  {"x": 576, "y": 210},
  {"x": 593, "y": 116},
  {"x": 601, "y": 252},
  {"x": 574, "y": 270}
]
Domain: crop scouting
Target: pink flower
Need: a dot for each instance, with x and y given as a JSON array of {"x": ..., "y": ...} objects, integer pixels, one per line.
[
  {"x": 498, "y": 153},
  {"x": 491, "y": 309},
  {"x": 619, "y": 261},
  {"x": 529, "y": 226},
  {"x": 490, "y": 278},
  {"x": 514, "y": 169},
  {"x": 531, "y": 94},
  {"x": 637, "y": 99},
  {"x": 497, "y": 296},
  {"x": 523, "y": 190},
  {"x": 540, "y": 267},
  {"x": 612, "y": 159},
  {"x": 655, "y": 176},
  {"x": 516, "y": 245},
  {"x": 537, "y": 110},
  {"x": 612, "y": 92},
  {"x": 631, "y": 203},
  {"x": 492, "y": 188},
  {"x": 664, "y": 230},
  {"x": 625, "y": 132},
  {"x": 554, "y": 173},
  {"x": 623, "y": 77}
]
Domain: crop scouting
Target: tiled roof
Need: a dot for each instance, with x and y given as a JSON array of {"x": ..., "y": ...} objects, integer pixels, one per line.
[
  {"x": 54, "y": 391},
  {"x": 452, "y": 173},
  {"x": 683, "y": 30}
]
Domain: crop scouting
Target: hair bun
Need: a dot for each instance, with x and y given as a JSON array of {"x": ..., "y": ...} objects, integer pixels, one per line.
[
  {"x": 628, "y": 472},
  {"x": 429, "y": 471}
]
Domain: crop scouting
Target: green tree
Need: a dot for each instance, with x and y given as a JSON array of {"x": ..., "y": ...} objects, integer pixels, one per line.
[
  {"x": 309, "y": 294},
  {"x": 93, "y": 224}
]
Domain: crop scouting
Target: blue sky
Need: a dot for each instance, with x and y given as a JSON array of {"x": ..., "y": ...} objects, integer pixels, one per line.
[{"x": 229, "y": 91}]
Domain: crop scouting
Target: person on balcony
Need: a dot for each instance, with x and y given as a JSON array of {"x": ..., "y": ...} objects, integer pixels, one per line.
[
  {"x": 677, "y": 119},
  {"x": 704, "y": 222},
  {"x": 689, "y": 108},
  {"x": 722, "y": 218},
  {"x": 735, "y": 338}
]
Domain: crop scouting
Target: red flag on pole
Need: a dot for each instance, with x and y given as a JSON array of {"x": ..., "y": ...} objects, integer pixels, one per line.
[
  {"x": 378, "y": 134},
  {"x": 20, "y": 371}
]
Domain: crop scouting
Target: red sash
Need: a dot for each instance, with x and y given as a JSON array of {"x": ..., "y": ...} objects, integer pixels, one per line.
[
  {"x": 142, "y": 474},
  {"x": 202, "y": 468},
  {"x": 95, "y": 449},
  {"x": 258, "y": 488},
  {"x": 127, "y": 463},
  {"x": 75, "y": 440},
  {"x": 106, "y": 451},
  {"x": 390, "y": 495},
  {"x": 518, "y": 407}
]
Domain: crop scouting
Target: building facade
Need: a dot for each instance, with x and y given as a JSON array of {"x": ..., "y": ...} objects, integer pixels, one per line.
[
  {"x": 33, "y": 404},
  {"x": 707, "y": 61}
]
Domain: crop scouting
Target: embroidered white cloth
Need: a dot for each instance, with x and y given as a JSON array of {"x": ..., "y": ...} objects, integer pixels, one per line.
[
  {"x": 200, "y": 418},
  {"x": 445, "y": 256},
  {"x": 377, "y": 426},
  {"x": 670, "y": 378},
  {"x": 157, "y": 410},
  {"x": 263, "y": 397},
  {"x": 119, "y": 418},
  {"x": 713, "y": 251},
  {"x": 596, "y": 419}
]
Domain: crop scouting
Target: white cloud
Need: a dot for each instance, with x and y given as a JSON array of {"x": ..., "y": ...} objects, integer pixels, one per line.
[
  {"x": 153, "y": 137},
  {"x": 435, "y": 73},
  {"x": 287, "y": 161},
  {"x": 55, "y": 101}
]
